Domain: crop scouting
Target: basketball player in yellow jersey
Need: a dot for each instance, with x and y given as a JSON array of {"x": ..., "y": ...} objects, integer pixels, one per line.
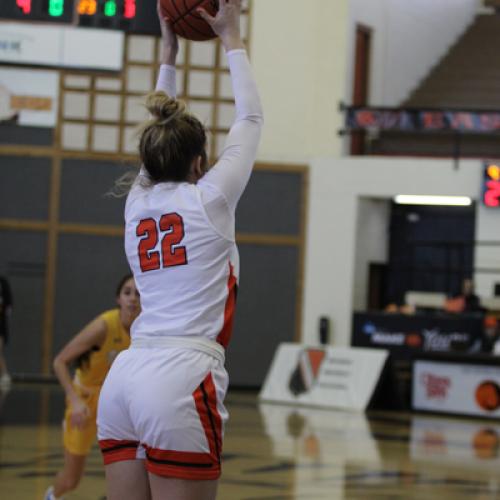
[{"x": 93, "y": 350}]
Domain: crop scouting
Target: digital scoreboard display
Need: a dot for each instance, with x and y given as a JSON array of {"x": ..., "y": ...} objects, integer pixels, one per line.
[
  {"x": 132, "y": 16},
  {"x": 55, "y": 11},
  {"x": 491, "y": 186}
]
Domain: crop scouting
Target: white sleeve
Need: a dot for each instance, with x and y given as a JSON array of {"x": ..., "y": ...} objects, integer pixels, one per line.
[
  {"x": 166, "y": 80},
  {"x": 232, "y": 171}
]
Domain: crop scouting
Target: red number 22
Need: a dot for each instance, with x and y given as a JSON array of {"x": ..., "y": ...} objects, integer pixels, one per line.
[{"x": 171, "y": 255}]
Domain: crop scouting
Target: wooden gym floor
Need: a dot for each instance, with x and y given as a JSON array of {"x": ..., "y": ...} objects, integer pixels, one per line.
[{"x": 276, "y": 452}]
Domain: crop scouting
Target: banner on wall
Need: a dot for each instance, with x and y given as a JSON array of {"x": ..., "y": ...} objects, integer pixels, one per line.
[
  {"x": 456, "y": 388},
  {"x": 29, "y": 97},
  {"x": 422, "y": 120},
  {"x": 330, "y": 377}
]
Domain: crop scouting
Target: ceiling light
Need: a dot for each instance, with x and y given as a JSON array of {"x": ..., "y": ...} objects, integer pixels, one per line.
[{"x": 409, "y": 199}]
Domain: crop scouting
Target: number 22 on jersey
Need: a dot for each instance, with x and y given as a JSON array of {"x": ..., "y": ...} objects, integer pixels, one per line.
[{"x": 170, "y": 229}]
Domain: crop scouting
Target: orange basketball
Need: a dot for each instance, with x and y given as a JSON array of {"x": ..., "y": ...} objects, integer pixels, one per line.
[
  {"x": 185, "y": 20},
  {"x": 488, "y": 395}
]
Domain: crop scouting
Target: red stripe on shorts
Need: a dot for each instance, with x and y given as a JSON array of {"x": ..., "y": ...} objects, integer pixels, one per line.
[
  {"x": 181, "y": 464},
  {"x": 205, "y": 398},
  {"x": 114, "y": 450},
  {"x": 227, "y": 328}
]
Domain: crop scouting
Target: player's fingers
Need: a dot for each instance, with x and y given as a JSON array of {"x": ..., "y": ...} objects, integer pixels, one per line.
[{"x": 205, "y": 15}]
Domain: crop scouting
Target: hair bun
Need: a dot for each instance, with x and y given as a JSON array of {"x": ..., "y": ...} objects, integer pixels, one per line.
[{"x": 163, "y": 108}]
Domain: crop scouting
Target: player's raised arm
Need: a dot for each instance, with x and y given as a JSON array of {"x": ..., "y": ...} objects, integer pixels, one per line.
[
  {"x": 169, "y": 49},
  {"x": 233, "y": 169}
]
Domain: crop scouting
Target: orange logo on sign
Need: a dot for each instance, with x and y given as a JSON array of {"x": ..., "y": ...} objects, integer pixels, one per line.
[{"x": 494, "y": 172}]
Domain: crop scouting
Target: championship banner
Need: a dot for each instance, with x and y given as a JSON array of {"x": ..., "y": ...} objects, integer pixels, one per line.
[
  {"x": 422, "y": 120},
  {"x": 457, "y": 388},
  {"x": 330, "y": 377}
]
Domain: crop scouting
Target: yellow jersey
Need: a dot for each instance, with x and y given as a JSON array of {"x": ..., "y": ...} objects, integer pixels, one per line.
[{"x": 117, "y": 339}]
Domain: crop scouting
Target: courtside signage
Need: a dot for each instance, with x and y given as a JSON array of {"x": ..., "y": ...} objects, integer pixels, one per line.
[
  {"x": 330, "y": 377},
  {"x": 463, "y": 389}
]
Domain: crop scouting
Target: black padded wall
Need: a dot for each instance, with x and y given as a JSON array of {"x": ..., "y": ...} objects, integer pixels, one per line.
[
  {"x": 22, "y": 262},
  {"x": 85, "y": 187},
  {"x": 88, "y": 270},
  {"x": 265, "y": 311},
  {"x": 24, "y": 187}
]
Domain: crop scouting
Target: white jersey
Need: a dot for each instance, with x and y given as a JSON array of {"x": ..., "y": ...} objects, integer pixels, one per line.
[{"x": 180, "y": 237}]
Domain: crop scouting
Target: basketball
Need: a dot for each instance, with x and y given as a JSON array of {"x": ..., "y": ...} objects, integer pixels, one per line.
[
  {"x": 186, "y": 21},
  {"x": 488, "y": 395}
]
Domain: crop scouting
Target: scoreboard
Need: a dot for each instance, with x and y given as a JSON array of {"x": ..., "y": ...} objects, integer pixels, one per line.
[
  {"x": 57, "y": 11},
  {"x": 132, "y": 16}
]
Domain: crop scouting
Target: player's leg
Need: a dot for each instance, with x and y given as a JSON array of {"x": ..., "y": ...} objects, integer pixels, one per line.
[
  {"x": 165, "y": 488},
  {"x": 180, "y": 419},
  {"x": 68, "y": 478},
  {"x": 127, "y": 480},
  {"x": 126, "y": 476}
]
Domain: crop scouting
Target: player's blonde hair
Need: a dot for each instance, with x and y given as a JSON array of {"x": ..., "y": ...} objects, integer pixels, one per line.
[
  {"x": 170, "y": 140},
  {"x": 168, "y": 143}
]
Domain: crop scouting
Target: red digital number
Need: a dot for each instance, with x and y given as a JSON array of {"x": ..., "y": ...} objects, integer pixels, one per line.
[
  {"x": 492, "y": 194},
  {"x": 24, "y": 5},
  {"x": 172, "y": 255},
  {"x": 129, "y": 9}
]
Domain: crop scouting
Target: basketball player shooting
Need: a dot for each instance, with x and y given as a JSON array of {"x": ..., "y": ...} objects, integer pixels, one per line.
[{"x": 161, "y": 411}]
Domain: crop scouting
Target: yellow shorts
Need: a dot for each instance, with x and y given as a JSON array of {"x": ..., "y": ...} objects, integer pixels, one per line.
[{"x": 79, "y": 441}]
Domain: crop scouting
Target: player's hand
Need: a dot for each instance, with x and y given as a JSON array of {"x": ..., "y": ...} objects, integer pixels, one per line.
[
  {"x": 226, "y": 23},
  {"x": 80, "y": 413},
  {"x": 170, "y": 44}
]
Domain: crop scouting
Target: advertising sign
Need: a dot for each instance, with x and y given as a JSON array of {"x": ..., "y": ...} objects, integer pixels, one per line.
[
  {"x": 331, "y": 377},
  {"x": 405, "y": 335},
  {"x": 457, "y": 388}
]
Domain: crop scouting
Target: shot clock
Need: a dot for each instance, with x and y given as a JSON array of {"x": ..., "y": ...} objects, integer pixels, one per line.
[
  {"x": 491, "y": 185},
  {"x": 132, "y": 16}
]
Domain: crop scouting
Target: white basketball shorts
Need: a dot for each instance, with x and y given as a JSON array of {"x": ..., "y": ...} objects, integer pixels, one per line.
[{"x": 164, "y": 404}]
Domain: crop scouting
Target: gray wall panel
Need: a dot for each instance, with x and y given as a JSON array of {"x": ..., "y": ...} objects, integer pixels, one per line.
[
  {"x": 33, "y": 136},
  {"x": 271, "y": 204},
  {"x": 265, "y": 312},
  {"x": 88, "y": 270},
  {"x": 83, "y": 192},
  {"x": 24, "y": 188},
  {"x": 22, "y": 262}
]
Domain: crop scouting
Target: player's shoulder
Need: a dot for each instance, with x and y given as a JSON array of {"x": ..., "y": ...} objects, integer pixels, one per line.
[{"x": 110, "y": 315}]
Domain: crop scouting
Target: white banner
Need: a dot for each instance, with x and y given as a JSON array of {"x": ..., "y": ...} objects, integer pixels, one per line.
[
  {"x": 331, "y": 377},
  {"x": 464, "y": 389},
  {"x": 51, "y": 45},
  {"x": 29, "y": 97}
]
